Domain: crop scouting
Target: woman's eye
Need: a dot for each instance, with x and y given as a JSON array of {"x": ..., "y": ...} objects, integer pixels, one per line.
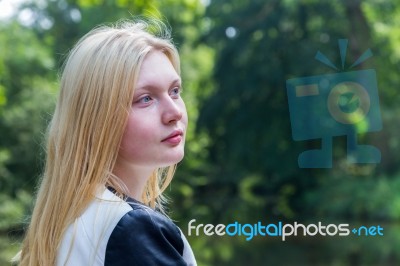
[
  {"x": 175, "y": 92},
  {"x": 145, "y": 99}
]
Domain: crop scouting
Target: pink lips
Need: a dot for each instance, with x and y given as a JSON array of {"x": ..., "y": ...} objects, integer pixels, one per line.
[{"x": 174, "y": 138}]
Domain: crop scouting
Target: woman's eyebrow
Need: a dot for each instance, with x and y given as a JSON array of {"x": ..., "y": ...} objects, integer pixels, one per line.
[
  {"x": 152, "y": 86},
  {"x": 177, "y": 80}
]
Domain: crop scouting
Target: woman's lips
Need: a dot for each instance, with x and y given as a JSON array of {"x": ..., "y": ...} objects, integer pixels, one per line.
[{"x": 174, "y": 138}]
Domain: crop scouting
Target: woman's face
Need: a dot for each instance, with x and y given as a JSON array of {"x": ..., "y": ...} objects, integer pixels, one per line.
[{"x": 155, "y": 133}]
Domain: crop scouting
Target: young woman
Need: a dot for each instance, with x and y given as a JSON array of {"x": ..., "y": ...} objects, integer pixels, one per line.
[{"x": 117, "y": 133}]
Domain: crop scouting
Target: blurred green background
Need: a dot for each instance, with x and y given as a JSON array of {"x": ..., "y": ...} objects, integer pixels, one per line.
[{"x": 241, "y": 160}]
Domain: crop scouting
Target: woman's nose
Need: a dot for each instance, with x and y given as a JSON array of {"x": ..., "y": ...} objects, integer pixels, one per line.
[{"x": 172, "y": 111}]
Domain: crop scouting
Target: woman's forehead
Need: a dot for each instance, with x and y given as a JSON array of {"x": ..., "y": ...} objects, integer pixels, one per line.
[{"x": 156, "y": 69}]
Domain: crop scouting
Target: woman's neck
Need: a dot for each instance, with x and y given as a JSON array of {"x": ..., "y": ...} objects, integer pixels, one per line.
[{"x": 133, "y": 176}]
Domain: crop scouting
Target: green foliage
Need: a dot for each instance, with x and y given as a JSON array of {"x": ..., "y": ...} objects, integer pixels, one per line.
[
  {"x": 260, "y": 46},
  {"x": 13, "y": 209},
  {"x": 28, "y": 91}
]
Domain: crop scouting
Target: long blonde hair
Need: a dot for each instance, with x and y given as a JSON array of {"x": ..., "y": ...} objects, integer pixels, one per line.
[{"x": 96, "y": 92}]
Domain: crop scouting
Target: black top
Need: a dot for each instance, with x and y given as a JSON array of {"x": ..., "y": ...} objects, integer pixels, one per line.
[{"x": 144, "y": 237}]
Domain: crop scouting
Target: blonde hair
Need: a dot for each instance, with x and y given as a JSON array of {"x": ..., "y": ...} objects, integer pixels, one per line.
[{"x": 96, "y": 92}]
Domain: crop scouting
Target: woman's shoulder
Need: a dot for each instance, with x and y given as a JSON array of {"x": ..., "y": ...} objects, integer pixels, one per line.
[
  {"x": 85, "y": 240},
  {"x": 141, "y": 214},
  {"x": 134, "y": 214},
  {"x": 113, "y": 231},
  {"x": 144, "y": 221},
  {"x": 144, "y": 236}
]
